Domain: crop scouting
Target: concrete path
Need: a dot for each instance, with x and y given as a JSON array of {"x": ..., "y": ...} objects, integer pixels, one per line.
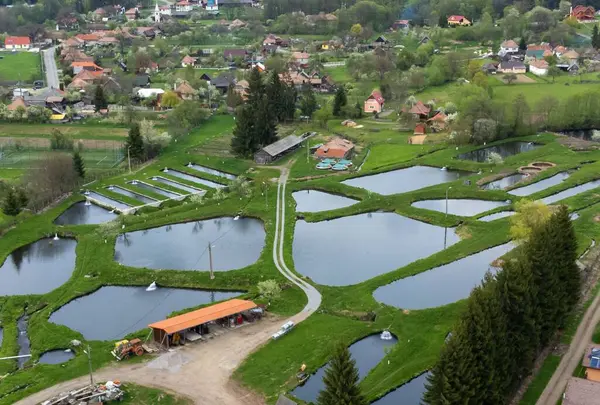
[{"x": 50, "y": 68}]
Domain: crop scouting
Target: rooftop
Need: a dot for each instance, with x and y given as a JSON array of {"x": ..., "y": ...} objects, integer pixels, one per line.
[
  {"x": 581, "y": 392},
  {"x": 282, "y": 145}
]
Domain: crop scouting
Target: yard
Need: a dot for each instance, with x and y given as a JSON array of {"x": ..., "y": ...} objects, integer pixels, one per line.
[{"x": 20, "y": 66}]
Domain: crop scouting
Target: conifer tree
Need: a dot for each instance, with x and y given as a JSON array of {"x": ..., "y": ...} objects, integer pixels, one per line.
[
  {"x": 78, "y": 165},
  {"x": 243, "y": 142},
  {"x": 10, "y": 204},
  {"x": 275, "y": 96},
  {"x": 595, "y": 37},
  {"x": 308, "y": 104},
  {"x": 135, "y": 144},
  {"x": 100, "y": 102},
  {"x": 522, "y": 43},
  {"x": 339, "y": 101},
  {"x": 341, "y": 381}
]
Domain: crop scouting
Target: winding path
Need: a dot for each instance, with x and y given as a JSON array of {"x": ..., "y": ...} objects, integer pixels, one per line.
[{"x": 202, "y": 372}]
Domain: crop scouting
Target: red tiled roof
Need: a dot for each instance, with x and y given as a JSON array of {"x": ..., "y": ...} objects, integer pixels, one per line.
[
  {"x": 440, "y": 116},
  {"x": 87, "y": 37},
  {"x": 420, "y": 109},
  {"x": 376, "y": 95},
  {"x": 456, "y": 18},
  {"x": 17, "y": 41}
]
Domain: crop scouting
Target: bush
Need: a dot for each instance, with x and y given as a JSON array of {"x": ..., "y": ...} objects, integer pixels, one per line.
[
  {"x": 60, "y": 141},
  {"x": 269, "y": 289},
  {"x": 495, "y": 158}
]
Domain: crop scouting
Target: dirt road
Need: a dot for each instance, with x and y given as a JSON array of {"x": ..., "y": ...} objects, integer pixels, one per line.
[{"x": 572, "y": 357}]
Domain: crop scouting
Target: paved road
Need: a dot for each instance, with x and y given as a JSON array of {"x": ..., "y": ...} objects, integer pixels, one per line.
[{"x": 50, "y": 68}]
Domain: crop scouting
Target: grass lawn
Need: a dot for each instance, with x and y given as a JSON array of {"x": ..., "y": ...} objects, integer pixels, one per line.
[
  {"x": 139, "y": 395},
  {"x": 25, "y": 66},
  {"x": 339, "y": 74},
  {"x": 75, "y": 131}
]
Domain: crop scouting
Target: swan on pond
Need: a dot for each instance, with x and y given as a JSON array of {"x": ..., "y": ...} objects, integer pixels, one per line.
[
  {"x": 386, "y": 335},
  {"x": 56, "y": 237},
  {"x": 152, "y": 286}
]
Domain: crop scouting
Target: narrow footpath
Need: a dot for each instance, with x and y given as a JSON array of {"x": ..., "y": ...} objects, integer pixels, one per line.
[{"x": 202, "y": 372}]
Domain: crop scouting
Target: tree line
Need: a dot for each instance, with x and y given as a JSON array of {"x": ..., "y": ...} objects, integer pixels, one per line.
[{"x": 509, "y": 319}]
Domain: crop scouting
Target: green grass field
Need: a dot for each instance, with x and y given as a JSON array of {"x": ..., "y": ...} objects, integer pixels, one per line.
[
  {"x": 139, "y": 395},
  {"x": 25, "y": 66}
]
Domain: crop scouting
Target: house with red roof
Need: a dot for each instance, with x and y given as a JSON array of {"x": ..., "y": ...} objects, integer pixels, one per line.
[
  {"x": 438, "y": 121},
  {"x": 183, "y": 6},
  {"x": 374, "y": 103},
  {"x": 188, "y": 61},
  {"x": 420, "y": 110},
  {"x": 132, "y": 14},
  {"x": 17, "y": 43},
  {"x": 583, "y": 13},
  {"x": 88, "y": 66},
  {"x": 458, "y": 20},
  {"x": 420, "y": 129}
]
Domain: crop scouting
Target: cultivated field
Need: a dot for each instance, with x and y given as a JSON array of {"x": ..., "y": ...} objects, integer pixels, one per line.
[{"x": 25, "y": 66}]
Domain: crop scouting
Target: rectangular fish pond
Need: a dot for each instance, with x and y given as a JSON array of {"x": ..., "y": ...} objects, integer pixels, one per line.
[
  {"x": 177, "y": 185},
  {"x": 235, "y": 244},
  {"x": 104, "y": 200},
  {"x": 38, "y": 268},
  {"x": 504, "y": 149},
  {"x": 441, "y": 285},
  {"x": 410, "y": 393},
  {"x": 131, "y": 194},
  {"x": 367, "y": 353},
  {"x": 570, "y": 192},
  {"x": 504, "y": 182},
  {"x": 540, "y": 185},
  {"x": 208, "y": 170},
  {"x": 23, "y": 340},
  {"x": 113, "y": 312},
  {"x": 82, "y": 213},
  {"x": 405, "y": 180},
  {"x": 495, "y": 216},
  {"x": 193, "y": 179},
  {"x": 353, "y": 249},
  {"x": 316, "y": 201},
  {"x": 463, "y": 207},
  {"x": 154, "y": 189}
]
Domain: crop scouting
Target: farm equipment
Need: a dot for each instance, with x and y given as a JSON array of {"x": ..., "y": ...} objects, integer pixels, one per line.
[
  {"x": 96, "y": 394},
  {"x": 126, "y": 348}
]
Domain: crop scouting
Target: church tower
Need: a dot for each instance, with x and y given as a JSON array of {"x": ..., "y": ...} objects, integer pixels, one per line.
[{"x": 156, "y": 12}]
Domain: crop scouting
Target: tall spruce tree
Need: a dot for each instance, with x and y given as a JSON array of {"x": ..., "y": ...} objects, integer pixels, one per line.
[
  {"x": 79, "y": 165},
  {"x": 341, "y": 381},
  {"x": 10, "y": 203},
  {"x": 244, "y": 143},
  {"x": 289, "y": 102},
  {"x": 100, "y": 102},
  {"x": 595, "y": 37},
  {"x": 276, "y": 96},
  {"x": 134, "y": 145},
  {"x": 339, "y": 101},
  {"x": 308, "y": 104}
]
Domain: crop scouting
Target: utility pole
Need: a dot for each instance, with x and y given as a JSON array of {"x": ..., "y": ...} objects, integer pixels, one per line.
[
  {"x": 446, "y": 218},
  {"x": 129, "y": 159},
  {"x": 212, "y": 274},
  {"x": 89, "y": 354}
]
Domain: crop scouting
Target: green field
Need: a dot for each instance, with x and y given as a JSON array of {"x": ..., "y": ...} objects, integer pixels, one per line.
[{"x": 25, "y": 66}]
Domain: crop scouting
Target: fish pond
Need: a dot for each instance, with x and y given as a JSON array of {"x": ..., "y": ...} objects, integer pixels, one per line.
[
  {"x": 177, "y": 185},
  {"x": 367, "y": 353},
  {"x": 405, "y": 180},
  {"x": 540, "y": 185},
  {"x": 315, "y": 201},
  {"x": 570, "y": 192},
  {"x": 38, "y": 268},
  {"x": 441, "y": 285},
  {"x": 504, "y": 182},
  {"x": 495, "y": 216},
  {"x": 184, "y": 246},
  {"x": 121, "y": 206},
  {"x": 154, "y": 189},
  {"x": 214, "y": 172},
  {"x": 193, "y": 179},
  {"x": 131, "y": 194},
  {"x": 353, "y": 249},
  {"x": 463, "y": 207},
  {"x": 23, "y": 340},
  {"x": 82, "y": 214},
  {"x": 505, "y": 150},
  {"x": 56, "y": 356},
  {"x": 113, "y": 312},
  {"x": 410, "y": 393}
]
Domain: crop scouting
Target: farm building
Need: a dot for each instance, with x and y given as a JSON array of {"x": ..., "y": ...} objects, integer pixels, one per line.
[
  {"x": 337, "y": 148},
  {"x": 194, "y": 324},
  {"x": 17, "y": 43},
  {"x": 374, "y": 103},
  {"x": 274, "y": 151}
]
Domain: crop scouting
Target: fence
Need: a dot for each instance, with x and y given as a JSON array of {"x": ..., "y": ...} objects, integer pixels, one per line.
[{"x": 18, "y": 157}]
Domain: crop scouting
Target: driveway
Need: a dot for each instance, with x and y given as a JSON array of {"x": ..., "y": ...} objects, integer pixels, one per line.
[{"x": 50, "y": 68}]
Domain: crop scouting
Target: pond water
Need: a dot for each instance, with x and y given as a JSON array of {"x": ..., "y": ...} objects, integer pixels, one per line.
[
  {"x": 235, "y": 244},
  {"x": 56, "y": 356},
  {"x": 1, "y": 335},
  {"x": 81, "y": 214},
  {"x": 23, "y": 340},
  {"x": 38, "y": 268},
  {"x": 574, "y": 216},
  {"x": 441, "y": 285},
  {"x": 540, "y": 185},
  {"x": 214, "y": 172},
  {"x": 463, "y": 207},
  {"x": 504, "y": 182},
  {"x": 177, "y": 185},
  {"x": 315, "y": 201},
  {"x": 367, "y": 353},
  {"x": 570, "y": 192},
  {"x": 113, "y": 312},
  {"x": 586, "y": 134},
  {"x": 405, "y": 180},
  {"x": 353, "y": 249},
  {"x": 131, "y": 194},
  {"x": 497, "y": 215},
  {"x": 410, "y": 393},
  {"x": 193, "y": 179},
  {"x": 505, "y": 150},
  {"x": 108, "y": 201},
  {"x": 154, "y": 189}
]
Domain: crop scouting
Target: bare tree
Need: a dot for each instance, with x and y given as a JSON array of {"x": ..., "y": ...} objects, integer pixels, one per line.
[{"x": 50, "y": 178}]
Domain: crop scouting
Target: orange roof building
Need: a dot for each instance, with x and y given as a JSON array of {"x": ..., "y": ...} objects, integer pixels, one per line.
[
  {"x": 18, "y": 102},
  {"x": 420, "y": 110},
  {"x": 17, "y": 42},
  {"x": 337, "y": 148},
  {"x": 162, "y": 329}
]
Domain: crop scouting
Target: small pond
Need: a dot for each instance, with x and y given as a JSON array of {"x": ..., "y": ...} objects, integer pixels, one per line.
[
  {"x": 353, "y": 249},
  {"x": 193, "y": 179},
  {"x": 38, "y": 268},
  {"x": 214, "y": 172},
  {"x": 56, "y": 356},
  {"x": 410, "y": 393},
  {"x": 154, "y": 189},
  {"x": 235, "y": 244},
  {"x": 367, "y": 353},
  {"x": 505, "y": 150},
  {"x": 442, "y": 285},
  {"x": 585, "y": 134},
  {"x": 495, "y": 216},
  {"x": 1, "y": 335},
  {"x": 82, "y": 214},
  {"x": 463, "y": 207},
  {"x": 177, "y": 185},
  {"x": 23, "y": 340},
  {"x": 570, "y": 192},
  {"x": 315, "y": 201},
  {"x": 504, "y": 182},
  {"x": 405, "y": 180},
  {"x": 540, "y": 185},
  {"x": 131, "y": 194},
  {"x": 113, "y": 312},
  {"x": 108, "y": 201}
]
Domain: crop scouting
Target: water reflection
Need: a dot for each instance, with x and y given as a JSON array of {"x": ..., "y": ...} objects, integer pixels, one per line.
[
  {"x": 81, "y": 214},
  {"x": 410, "y": 393},
  {"x": 461, "y": 206},
  {"x": 540, "y": 185},
  {"x": 56, "y": 356},
  {"x": 315, "y": 201},
  {"x": 505, "y": 150}
]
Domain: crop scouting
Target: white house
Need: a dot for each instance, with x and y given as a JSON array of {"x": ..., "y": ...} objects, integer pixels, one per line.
[
  {"x": 539, "y": 67},
  {"x": 147, "y": 93},
  {"x": 183, "y": 6},
  {"x": 164, "y": 10},
  {"x": 17, "y": 43},
  {"x": 508, "y": 46}
]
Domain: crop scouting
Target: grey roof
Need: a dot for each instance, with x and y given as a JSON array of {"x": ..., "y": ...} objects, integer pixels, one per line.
[
  {"x": 581, "y": 392},
  {"x": 283, "y": 400},
  {"x": 223, "y": 80},
  {"x": 282, "y": 145},
  {"x": 512, "y": 65}
]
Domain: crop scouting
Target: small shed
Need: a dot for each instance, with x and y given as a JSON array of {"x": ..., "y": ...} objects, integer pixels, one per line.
[{"x": 277, "y": 149}]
